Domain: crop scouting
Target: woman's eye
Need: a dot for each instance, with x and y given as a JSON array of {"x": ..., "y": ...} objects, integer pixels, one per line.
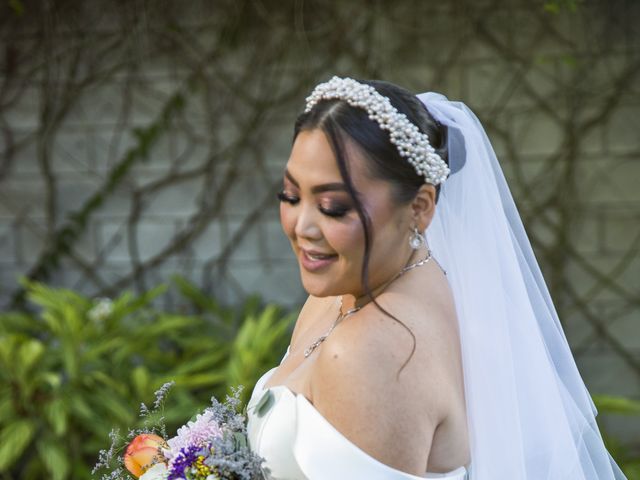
[
  {"x": 283, "y": 197},
  {"x": 336, "y": 211},
  {"x": 330, "y": 211}
]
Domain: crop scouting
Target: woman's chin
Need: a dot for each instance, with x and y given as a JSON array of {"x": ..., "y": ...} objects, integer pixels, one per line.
[
  {"x": 315, "y": 288},
  {"x": 319, "y": 287}
]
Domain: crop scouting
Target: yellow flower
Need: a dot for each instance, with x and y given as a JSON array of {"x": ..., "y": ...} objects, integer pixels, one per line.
[{"x": 202, "y": 469}]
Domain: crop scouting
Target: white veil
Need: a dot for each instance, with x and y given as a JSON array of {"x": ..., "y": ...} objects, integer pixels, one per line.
[{"x": 530, "y": 415}]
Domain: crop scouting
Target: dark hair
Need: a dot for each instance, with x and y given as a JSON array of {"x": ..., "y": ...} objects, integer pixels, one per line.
[{"x": 340, "y": 121}]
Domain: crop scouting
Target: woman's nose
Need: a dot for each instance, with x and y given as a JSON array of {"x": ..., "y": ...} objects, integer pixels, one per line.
[{"x": 307, "y": 224}]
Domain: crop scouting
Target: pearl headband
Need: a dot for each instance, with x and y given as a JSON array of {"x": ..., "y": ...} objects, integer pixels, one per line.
[{"x": 411, "y": 143}]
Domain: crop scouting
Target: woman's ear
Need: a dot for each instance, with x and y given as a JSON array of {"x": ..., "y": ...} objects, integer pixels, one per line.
[{"x": 423, "y": 206}]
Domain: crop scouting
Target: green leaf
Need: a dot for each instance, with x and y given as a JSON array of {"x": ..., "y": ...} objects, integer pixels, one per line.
[
  {"x": 53, "y": 379},
  {"x": 555, "y": 6},
  {"x": 55, "y": 458},
  {"x": 94, "y": 351},
  {"x": 120, "y": 305},
  {"x": 631, "y": 469},
  {"x": 17, "y": 322},
  {"x": 29, "y": 353},
  {"x": 616, "y": 404},
  {"x": 14, "y": 439},
  {"x": 115, "y": 407},
  {"x": 140, "y": 380},
  {"x": 70, "y": 359},
  {"x": 166, "y": 323},
  {"x": 6, "y": 407},
  {"x": 80, "y": 408},
  {"x": 112, "y": 384},
  {"x": 240, "y": 440},
  {"x": 53, "y": 299},
  {"x": 56, "y": 414},
  {"x": 73, "y": 320},
  {"x": 7, "y": 347},
  {"x": 197, "y": 381},
  {"x": 193, "y": 293},
  {"x": 206, "y": 361},
  {"x": 140, "y": 302}
]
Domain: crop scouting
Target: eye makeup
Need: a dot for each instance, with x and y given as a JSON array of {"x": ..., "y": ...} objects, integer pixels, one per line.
[
  {"x": 330, "y": 209},
  {"x": 334, "y": 210},
  {"x": 284, "y": 197}
]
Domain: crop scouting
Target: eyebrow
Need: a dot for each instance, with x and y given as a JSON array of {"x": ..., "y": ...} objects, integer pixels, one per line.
[{"x": 325, "y": 187}]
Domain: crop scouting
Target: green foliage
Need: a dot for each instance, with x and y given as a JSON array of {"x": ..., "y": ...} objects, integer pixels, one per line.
[
  {"x": 556, "y": 6},
  {"x": 17, "y": 6},
  {"x": 252, "y": 347},
  {"x": 80, "y": 367},
  {"x": 616, "y": 405}
]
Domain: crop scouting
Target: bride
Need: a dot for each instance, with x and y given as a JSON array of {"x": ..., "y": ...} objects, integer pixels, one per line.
[{"x": 429, "y": 346}]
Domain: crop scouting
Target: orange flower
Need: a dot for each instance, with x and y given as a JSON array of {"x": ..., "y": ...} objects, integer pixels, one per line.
[{"x": 141, "y": 453}]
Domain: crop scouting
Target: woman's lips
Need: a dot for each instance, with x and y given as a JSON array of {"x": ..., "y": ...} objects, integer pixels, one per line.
[{"x": 313, "y": 261}]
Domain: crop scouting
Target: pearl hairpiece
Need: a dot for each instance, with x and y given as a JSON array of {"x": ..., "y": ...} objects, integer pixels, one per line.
[{"x": 408, "y": 139}]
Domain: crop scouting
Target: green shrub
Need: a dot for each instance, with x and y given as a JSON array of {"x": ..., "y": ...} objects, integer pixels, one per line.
[
  {"x": 616, "y": 405},
  {"x": 79, "y": 367}
]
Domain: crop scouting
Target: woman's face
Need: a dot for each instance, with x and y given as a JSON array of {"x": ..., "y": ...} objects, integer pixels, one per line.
[{"x": 320, "y": 219}]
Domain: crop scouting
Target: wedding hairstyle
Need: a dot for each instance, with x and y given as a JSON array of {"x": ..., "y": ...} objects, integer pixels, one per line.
[{"x": 342, "y": 122}]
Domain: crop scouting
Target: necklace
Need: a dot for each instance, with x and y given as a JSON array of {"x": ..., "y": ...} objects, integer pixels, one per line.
[
  {"x": 341, "y": 316},
  {"x": 351, "y": 311}
]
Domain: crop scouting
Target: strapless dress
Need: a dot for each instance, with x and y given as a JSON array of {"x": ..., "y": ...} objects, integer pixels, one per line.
[{"x": 298, "y": 443}]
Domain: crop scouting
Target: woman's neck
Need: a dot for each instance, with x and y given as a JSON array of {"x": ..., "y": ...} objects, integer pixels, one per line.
[{"x": 350, "y": 301}]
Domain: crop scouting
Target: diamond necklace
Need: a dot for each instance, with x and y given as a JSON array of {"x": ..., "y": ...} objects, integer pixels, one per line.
[{"x": 351, "y": 311}]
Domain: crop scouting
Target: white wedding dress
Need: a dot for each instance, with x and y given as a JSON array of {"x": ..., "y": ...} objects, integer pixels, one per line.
[{"x": 298, "y": 443}]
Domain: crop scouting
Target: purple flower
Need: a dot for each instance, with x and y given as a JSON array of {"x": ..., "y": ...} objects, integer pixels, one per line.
[
  {"x": 194, "y": 434},
  {"x": 185, "y": 458}
]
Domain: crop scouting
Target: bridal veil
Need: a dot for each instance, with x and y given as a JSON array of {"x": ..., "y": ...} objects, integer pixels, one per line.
[{"x": 530, "y": 415}]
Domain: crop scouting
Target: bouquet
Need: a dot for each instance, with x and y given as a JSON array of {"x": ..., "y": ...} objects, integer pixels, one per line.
[{"x": 212, "y": 446}]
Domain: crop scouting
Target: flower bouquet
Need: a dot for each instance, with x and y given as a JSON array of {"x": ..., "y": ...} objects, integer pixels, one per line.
[{"x": 212, "y": 446}]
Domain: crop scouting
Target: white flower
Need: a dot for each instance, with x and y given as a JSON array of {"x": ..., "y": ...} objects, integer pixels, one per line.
[
  {"x": 101, "y": 310},
  {"x": 157, "y": 472}
]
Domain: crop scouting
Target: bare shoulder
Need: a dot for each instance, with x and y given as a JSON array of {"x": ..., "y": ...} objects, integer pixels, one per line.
[
  {"x": 355, "y": 385},
  {"x": 370, "y": 348}
]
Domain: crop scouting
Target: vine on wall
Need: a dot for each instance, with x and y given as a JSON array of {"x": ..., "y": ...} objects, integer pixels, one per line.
[{"x": 185, "y": 113}]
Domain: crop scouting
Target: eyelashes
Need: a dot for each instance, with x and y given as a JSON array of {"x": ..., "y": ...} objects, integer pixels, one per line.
[
  {"x": 336, "y": 212},
  {"x": 283, "y": 197}
]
